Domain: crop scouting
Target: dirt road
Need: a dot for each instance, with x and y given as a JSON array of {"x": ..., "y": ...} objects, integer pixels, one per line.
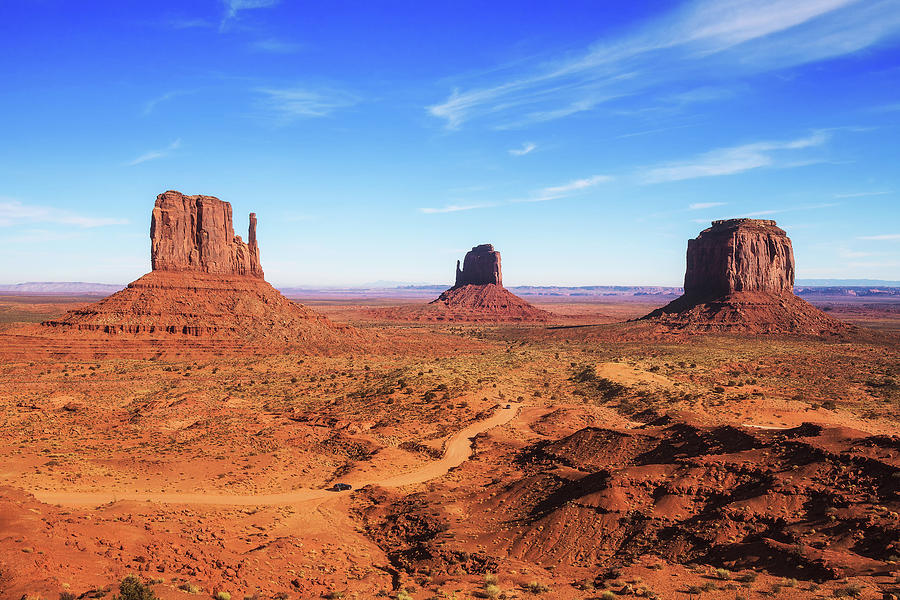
[{"x": 457, "y": 452}]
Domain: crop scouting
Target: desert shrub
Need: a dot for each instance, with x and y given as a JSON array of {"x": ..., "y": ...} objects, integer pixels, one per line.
[
  {"x": 190, "y": 588},
  {"x": 334, "y": 595},
  {"x": 490, "y": 578},
  {"x": 748, "y": 577},
  {"x": 404, "y": 595},
  {"x": 585, "y": 374},
  {"x": 223, "y": 596},
  {"x": 723, "y": 574},
  {"x": 67, "y": 596},
  {"x": 133, "y": 588},
  {"x": 607, "y": 595},
  {"x": 535, "y": 587},
  {"x": 848, "y": 591},
  {"x": 491, "y": 590}
]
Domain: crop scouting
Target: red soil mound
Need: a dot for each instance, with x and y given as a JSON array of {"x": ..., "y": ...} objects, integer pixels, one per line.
[
  {"x": 747, "y": 312},
  {"x": 491, "y": 302},
  {"x": 165, "y": 304},
  {"x": 809, "y": 503}
]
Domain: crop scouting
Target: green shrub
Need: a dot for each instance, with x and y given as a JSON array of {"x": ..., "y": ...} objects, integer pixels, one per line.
[{"x": 133, "y": 588}]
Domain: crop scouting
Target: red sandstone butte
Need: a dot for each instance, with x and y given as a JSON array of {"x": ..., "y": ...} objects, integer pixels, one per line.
[
  {"x": 481, "y": 266},
  {"x": 479, "y": 295},
  {"x": 740, "y": 277},
  {"x": 206, "y": 282},
  {"x": 195, "y": 233}
]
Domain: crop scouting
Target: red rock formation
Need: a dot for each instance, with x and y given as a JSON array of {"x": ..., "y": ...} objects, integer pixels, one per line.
[
  {"x": 206, "y": 282},
  {"x": 739, "y": 255},
  {"x": 195, "y": 233},
  {"x": 740, "y": 276},
  {"x": 479, "y": 295},
  {"x": 481, "y": 266}
]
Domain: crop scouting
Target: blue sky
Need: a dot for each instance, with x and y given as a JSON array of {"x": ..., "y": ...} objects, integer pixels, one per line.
[{"x": 380, "y": 140}]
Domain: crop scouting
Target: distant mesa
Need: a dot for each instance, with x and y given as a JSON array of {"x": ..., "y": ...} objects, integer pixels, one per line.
[
  {"x": 479, "y": 295},
  {"x": 740, "y": 277},
  {"x": 205, "y": 282}
]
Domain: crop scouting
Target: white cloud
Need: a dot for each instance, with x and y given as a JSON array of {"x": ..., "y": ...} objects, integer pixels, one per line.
[
  {"x": 154, "y": 154},
  {"x": 861, "y": 194},
  {"x": 290, "y": 104},
  {"x": 884, "y": 237},
  {"x": 151, "y": 104},
  {"x": 775, "y": 211},
  {"x": 728, "y": 161},
  {"x": 568, "y": 189},
  {"x": 15, "y": 212},
  {"x": 453, "y": 208},
  {"x": 234, "y": 7},
  {"x": 526, "y": 148},
  {"x": 542, "y": 195},
  {"x": 705, "y": 40},
  {"x": 703, "y": 205}
]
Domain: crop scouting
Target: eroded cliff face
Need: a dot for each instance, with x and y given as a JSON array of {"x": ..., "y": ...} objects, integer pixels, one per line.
[
  {"x": 481, "y": 266},
  {"x": 740, "y": 277},
  {"x": 739, "y": 255},
  {"x": 196, "y": 233}
]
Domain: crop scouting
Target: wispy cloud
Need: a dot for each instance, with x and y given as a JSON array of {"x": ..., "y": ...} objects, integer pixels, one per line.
[
  {"x": 454, "y": 208},
  {"x": 861, "y": 194},
  {"x": 290, "y": 104},
  {"x": 557, "y": 192},
  {"x": 566, "y": 190},
  {"x": 151, "y": 104},
  {"x": 731, "y": 160},
  {"x": 154, "y": 154},
  {"x": 703, "y": 205},
  {"x": 776, "y": 211},
  {"x": 15, "y": 212},
  {"x": 186, "y": 23},
  {"x": 276, "y": 46},
  {"x": 704, "y": 41},
  {"x": 234, "y": 7},
  {"x": 883, "y": 237},
  {"x": 526, "y": 148}
]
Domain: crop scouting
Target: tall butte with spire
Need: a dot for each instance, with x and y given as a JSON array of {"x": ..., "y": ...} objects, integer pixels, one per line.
[
  {"x": 206, "y": 282},
  {"x": 479, "y": 295},
  {"x": 740, "y": 277}
]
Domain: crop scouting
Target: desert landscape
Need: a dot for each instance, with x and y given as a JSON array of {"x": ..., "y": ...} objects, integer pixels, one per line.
[
  {"x": 204, "y": 434},
  {"x": 450, "y": 300}
]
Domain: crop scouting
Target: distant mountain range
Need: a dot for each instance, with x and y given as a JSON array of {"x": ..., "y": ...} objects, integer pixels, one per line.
[
  {"x": 61, "y": 287},
  {"x": 803, "y": 287}
]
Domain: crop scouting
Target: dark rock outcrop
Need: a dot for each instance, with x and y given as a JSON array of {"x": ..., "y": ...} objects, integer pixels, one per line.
[
  {"x": 740, "y": 277},
  {"x": 481, "y": 266},
  {"x": 196, "y": 233}
]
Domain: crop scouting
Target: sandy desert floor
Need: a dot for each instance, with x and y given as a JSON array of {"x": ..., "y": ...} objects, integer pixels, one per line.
[{"x": 562, "y": 460}]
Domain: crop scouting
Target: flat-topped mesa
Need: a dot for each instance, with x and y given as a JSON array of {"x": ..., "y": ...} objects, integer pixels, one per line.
[
  {"x": 196, "y": 233},
  {"x": 739, "y": 255},
  {"x": 481, "y": 266}
]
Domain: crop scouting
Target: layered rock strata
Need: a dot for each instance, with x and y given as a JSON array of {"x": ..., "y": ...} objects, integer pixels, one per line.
[
  {"x": 206, "y": 282},
  {"x": 740, "y": 276}
]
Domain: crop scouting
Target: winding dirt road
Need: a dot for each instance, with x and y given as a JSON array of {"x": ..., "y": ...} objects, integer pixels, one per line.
[{"x": 457, "y": 452}]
